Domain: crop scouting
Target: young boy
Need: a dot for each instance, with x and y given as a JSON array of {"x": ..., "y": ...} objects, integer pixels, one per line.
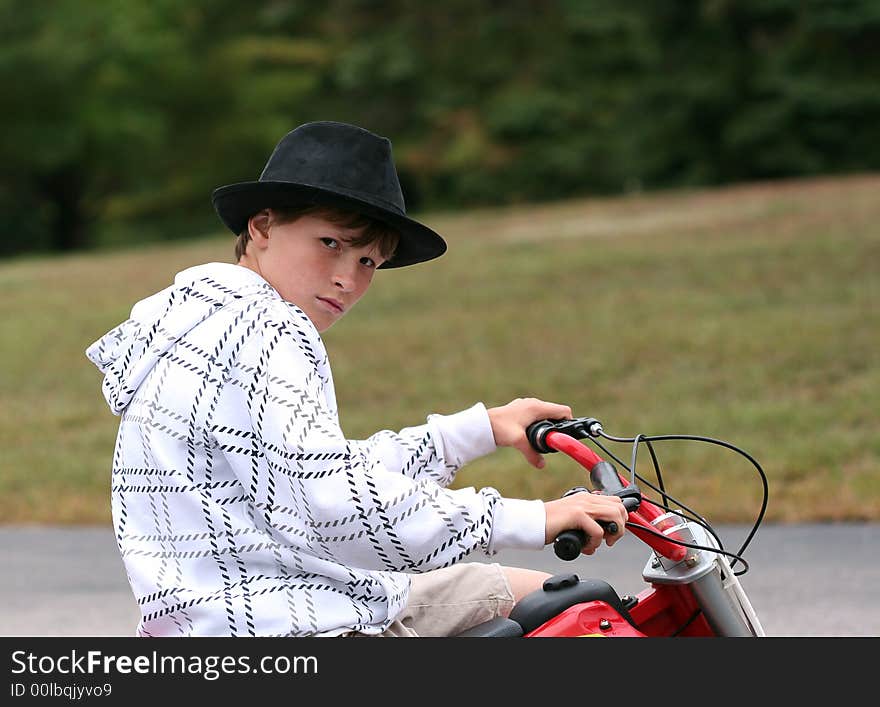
[{"x": 239, "y": 506}]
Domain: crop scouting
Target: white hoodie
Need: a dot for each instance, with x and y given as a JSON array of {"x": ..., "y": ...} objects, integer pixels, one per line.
[{"x": 239, "y": 506}]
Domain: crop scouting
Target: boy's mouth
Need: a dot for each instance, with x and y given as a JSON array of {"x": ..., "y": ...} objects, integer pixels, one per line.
[{"x": 333, "y": 305}]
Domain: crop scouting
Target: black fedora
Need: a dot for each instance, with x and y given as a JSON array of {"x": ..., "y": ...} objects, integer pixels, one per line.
[{"x": 332, "y": 164}]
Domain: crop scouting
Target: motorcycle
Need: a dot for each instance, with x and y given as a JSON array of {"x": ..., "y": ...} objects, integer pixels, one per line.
[{"x": 692, "y": 589}]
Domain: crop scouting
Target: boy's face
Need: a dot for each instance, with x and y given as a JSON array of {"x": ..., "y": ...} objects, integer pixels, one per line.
[{"x": 311, "y": 263}]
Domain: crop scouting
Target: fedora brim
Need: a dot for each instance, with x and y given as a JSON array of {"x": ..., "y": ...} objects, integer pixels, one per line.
[{"x": 236, "y": 203}]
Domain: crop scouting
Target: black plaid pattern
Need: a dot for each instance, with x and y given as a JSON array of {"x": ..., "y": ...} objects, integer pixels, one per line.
[{"x": 239, "y": 506}]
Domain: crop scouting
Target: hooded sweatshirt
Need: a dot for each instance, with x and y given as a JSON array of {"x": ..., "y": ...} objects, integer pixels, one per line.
[{"x": 240, "y": 507}]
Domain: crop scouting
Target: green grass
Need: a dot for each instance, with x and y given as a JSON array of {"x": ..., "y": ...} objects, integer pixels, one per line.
[{"x": 748, "y": 313}]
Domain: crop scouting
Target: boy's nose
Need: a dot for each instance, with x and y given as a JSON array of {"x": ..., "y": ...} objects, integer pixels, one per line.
[{"x": 344, "y": 279}]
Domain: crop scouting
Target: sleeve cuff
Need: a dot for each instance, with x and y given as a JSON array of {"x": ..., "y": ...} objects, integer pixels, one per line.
[
  {"x": 464, "y": 436},
  {"x": 518, "y": 524}
]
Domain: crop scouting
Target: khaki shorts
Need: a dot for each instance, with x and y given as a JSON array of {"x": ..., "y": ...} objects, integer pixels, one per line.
[{"x": 447, "y": 601}]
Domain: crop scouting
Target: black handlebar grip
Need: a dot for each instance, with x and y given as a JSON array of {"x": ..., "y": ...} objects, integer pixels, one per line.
[
  {"x": 569, "y": 543},
  {"x": 536, "y": 432}
]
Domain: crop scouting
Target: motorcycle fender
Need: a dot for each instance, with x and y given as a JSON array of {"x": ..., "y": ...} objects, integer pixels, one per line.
[{"x": 589, "y": 619}]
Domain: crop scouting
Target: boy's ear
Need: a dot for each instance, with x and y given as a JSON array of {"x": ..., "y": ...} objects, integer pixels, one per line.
[{"x": 258, "y": 227}]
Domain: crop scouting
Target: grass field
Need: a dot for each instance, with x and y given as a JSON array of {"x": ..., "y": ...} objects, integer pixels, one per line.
[{"x": 747, "y": 313}]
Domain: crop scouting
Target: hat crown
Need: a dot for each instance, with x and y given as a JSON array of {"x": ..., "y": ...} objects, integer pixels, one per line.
[{"x": 339, "y": 157}]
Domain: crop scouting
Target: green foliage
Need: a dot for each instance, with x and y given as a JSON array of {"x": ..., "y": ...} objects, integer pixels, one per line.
[{"x": 121, "y": 117}]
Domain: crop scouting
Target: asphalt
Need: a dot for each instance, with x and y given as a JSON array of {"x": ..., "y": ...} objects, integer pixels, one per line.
[{"x": 803, "y": 580}]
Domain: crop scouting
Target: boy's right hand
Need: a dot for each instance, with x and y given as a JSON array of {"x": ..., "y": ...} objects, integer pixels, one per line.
[
  {"x": 510, "y": 422},
  {"x": 580, "y": 511}
]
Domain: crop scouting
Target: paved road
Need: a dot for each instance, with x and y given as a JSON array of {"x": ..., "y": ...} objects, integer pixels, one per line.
[{"x": 804, "y": 580}]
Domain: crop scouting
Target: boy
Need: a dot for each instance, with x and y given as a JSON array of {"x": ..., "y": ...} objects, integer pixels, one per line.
[{"x": 240, "y": 508}]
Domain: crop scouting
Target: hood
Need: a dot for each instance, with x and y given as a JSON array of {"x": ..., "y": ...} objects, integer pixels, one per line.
[{"x": 127, "y": 353}]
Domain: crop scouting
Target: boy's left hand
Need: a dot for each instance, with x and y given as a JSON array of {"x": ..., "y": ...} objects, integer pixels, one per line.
[{"x": 509, "y": 423}]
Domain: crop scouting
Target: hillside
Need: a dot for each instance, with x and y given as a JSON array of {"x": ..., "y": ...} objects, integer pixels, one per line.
[{"x": 746, "y": 313}]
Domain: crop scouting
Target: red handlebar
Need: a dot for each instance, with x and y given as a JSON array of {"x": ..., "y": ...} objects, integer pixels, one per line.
[{"x": 641, "y": 518}]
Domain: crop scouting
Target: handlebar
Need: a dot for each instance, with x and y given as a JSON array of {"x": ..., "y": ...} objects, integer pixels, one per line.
[
  {"x": 547, "y": 436},
  {"x": 570, "y": 543}
]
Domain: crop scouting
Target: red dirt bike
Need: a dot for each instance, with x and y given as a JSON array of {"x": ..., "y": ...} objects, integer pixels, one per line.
[{"x": 692, "y": 589}]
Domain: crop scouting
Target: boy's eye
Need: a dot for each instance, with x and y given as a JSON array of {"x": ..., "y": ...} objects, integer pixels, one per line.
[
  {"x": 330, "y": 242},
  {"x": 369, "y": 262}
]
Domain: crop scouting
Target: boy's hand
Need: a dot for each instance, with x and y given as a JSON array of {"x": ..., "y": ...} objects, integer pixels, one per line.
[
  {"x": 580, "y": 511},
  {"x": 509, "y": 423}
]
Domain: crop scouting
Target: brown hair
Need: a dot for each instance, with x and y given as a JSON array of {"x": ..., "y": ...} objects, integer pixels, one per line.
[{"x": 374, "y": 231}]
